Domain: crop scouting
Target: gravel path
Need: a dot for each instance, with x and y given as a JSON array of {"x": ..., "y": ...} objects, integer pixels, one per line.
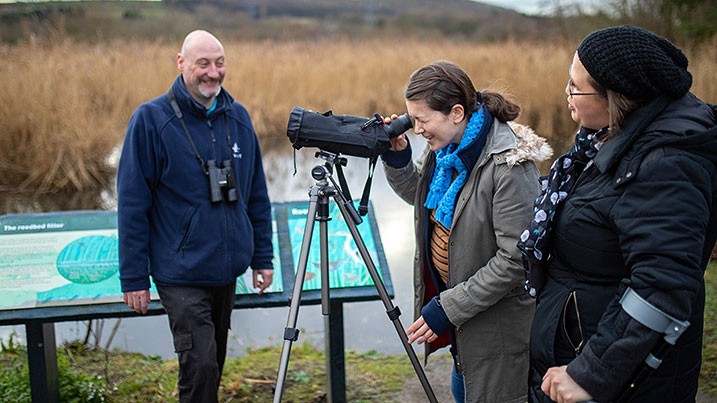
[{"x": 438, "y": 373}]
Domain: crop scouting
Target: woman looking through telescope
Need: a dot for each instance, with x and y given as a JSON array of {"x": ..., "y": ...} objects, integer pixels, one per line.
[{"x": 473, "y": 190}]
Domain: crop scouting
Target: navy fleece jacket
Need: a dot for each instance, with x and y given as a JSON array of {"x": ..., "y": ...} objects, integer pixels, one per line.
[{"x": 167, "y": 225}]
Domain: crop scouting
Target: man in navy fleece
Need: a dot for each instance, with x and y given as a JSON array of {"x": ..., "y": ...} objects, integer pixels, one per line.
[{"x": 192, "y": 242}]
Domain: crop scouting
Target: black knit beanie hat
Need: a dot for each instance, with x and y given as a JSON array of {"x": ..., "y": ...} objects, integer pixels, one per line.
[{"x": 635, "y": 62}]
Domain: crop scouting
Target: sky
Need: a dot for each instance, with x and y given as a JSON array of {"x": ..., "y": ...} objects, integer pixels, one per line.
[
  {"x": 533, "y": 6},
  {"x": 523, "y": 6}
]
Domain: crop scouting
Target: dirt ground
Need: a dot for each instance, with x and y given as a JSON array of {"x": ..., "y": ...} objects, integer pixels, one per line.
[
  {"x": 438, "y": 372},
  {"x": 705, "y": 398}
]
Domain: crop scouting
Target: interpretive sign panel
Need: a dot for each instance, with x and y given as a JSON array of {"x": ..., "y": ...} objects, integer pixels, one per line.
[
  {"x": 64, "y": 266},
  {"x": 346, "y": 267},
  {"x": 71, "y": 258}
]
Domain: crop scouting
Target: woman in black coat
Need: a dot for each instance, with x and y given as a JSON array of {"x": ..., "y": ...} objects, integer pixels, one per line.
[{"x": 630, "y": 206}]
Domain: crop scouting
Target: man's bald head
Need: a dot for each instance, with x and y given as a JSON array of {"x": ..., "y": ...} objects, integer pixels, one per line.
[
  {"x": 201, "y": 62},
  {"x": 199, "y": 38}
]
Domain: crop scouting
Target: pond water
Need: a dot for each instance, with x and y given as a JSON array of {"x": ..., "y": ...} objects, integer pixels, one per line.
[{"x": 366, "y": 324}]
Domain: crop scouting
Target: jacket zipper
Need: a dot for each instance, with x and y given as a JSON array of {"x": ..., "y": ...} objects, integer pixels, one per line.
[
  {"x": 458, "y": 330},
  {"x": 459, "y": 364},
  {"x": 214, "y": 142},
  {"x": 226, "y": 245},
  {"x": 576, "y": 348},
  {"x": 224, "y": 207},
  {"x": 584, "y": 174}
]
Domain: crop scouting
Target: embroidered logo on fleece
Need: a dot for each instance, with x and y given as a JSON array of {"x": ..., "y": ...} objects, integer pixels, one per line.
[{"x": 237, "y": 151}]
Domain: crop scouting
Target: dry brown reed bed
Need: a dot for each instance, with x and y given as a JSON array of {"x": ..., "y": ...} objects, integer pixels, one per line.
[{"x": 64, "y": 106}]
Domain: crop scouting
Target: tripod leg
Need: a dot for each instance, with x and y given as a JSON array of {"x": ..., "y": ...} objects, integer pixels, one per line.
[
  {"x": 323, "y": 218},
  {"x": 392, "y": 311},
  {"x": 291, "y": 334}
]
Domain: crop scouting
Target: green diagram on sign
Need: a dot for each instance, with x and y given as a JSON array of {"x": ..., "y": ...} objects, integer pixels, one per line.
[{"x": 89, "y": 260}]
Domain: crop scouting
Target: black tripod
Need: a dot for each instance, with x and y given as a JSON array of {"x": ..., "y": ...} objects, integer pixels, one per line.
[{"x": 319, "y": 211}]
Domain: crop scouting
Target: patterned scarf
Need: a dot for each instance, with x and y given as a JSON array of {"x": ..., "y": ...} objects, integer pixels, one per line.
[
  {"x": 442, "y": 191},
  {"x": 555, "y": 188}
]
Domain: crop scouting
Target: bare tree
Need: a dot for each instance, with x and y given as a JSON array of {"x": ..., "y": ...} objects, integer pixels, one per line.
[{"x": 683, "y": 21}]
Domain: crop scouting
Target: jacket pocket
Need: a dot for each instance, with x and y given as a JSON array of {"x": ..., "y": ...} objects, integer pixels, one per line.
[
  {"x": 571, "y": 324},
  {"x": 187, "y": 226},
  {"x": 514, "y": 318},
  {"x": 241, "y": 240}
]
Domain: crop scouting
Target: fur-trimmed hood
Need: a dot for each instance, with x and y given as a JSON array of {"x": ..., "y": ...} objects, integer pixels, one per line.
[{"x": 530, "y": 147}]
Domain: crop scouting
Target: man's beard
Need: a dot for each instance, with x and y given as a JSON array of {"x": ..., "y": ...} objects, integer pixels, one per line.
[{"x": 210, "y": 95}]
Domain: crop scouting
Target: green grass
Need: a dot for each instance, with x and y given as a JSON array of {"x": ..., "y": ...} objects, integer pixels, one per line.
[
  {"x": 369, "y": 376},
  {"x": 708, "y": 374},
  {"x": 88, "y": 375},
  {"x": 75, "y": 385}
]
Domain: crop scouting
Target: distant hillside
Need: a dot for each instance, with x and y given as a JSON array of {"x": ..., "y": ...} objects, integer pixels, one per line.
[
  {"x": 328, "y": 8},
  {"x": 262, "y": 19}
]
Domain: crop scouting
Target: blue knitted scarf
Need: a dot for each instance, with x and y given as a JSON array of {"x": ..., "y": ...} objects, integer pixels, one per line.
[{"x": 442, "y": 192}]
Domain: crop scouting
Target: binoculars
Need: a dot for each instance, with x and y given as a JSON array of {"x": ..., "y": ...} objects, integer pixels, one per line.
[{"x": 222, "y": 185}]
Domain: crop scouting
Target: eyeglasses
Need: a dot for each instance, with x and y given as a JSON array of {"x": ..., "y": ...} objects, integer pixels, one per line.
[{"x": 571, "y": 93}]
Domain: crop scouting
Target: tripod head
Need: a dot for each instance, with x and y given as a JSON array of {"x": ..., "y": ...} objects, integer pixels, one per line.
[
  {"x": 322, "y": 173},
  {"x": 331, "y": 158}
]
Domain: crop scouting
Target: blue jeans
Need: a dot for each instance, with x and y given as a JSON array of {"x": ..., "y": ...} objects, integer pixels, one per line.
[{"x": 457, "y": 387}]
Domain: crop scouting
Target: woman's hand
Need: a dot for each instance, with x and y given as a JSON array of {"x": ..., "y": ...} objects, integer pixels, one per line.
[
  {"x": 420, "y": 330},
  {"x": 400, "y": 142},
  {"x": 558, "y": 384}
]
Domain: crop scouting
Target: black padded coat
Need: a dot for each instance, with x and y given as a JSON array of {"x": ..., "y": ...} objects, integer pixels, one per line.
[{"x": 641, "y": 215}]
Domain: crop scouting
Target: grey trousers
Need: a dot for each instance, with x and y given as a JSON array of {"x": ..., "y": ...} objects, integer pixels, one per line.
[{"x": 199, "y": 318}]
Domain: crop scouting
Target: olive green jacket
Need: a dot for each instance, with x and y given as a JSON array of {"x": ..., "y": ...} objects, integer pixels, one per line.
[{"x": 485, "y": 300}]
